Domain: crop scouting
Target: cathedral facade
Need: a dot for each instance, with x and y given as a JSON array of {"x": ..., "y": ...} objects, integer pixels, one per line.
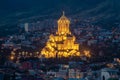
[{"x": 62, "y": 43}]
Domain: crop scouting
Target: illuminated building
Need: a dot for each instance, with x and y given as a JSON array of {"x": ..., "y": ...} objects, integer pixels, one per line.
[{"x": 61, "y": 44}]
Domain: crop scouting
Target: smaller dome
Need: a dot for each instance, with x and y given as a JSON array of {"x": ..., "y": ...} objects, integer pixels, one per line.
[{"x": 63, "y": 19}]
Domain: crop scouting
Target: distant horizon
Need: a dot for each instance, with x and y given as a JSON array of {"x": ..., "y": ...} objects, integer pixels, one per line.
[{"x": 101, "y": 12}]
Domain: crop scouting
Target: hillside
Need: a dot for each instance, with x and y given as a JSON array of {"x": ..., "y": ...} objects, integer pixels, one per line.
[{"x": 16, "y": 11}]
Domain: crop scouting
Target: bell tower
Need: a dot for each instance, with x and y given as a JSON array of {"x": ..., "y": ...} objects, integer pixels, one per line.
[{"x": 63, "y": 25}]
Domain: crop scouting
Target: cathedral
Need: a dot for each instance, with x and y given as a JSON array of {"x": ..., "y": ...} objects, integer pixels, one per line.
[{"x": 62, "y": 43}]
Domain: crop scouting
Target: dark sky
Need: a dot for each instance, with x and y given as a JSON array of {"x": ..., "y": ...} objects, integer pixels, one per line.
[
  {"x": 26, "y": 4},
  {"x": 12, "y": 10}
]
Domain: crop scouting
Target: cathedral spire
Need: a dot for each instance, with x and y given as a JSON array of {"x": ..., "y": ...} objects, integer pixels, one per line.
[{"x": 63, "y": 25}]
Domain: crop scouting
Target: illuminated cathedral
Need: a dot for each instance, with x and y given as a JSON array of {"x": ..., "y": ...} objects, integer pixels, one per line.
[{"x": 63, "y": 43}]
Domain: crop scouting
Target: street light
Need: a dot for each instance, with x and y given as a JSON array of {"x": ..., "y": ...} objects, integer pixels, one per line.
[{"x": 12, "y": 57}]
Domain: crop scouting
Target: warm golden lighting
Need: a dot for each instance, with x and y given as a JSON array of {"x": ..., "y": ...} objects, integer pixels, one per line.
[
  {"x": 87, "y": 53},
  {"x": 61, "y": 44},
  {"x": 11, "y": 57}
]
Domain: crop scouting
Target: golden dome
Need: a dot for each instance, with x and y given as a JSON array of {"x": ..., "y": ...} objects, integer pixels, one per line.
[{"x": 63, "y": 19}]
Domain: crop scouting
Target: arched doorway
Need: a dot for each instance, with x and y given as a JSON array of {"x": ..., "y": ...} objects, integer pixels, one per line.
[{"x": 103, "y": 78}]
